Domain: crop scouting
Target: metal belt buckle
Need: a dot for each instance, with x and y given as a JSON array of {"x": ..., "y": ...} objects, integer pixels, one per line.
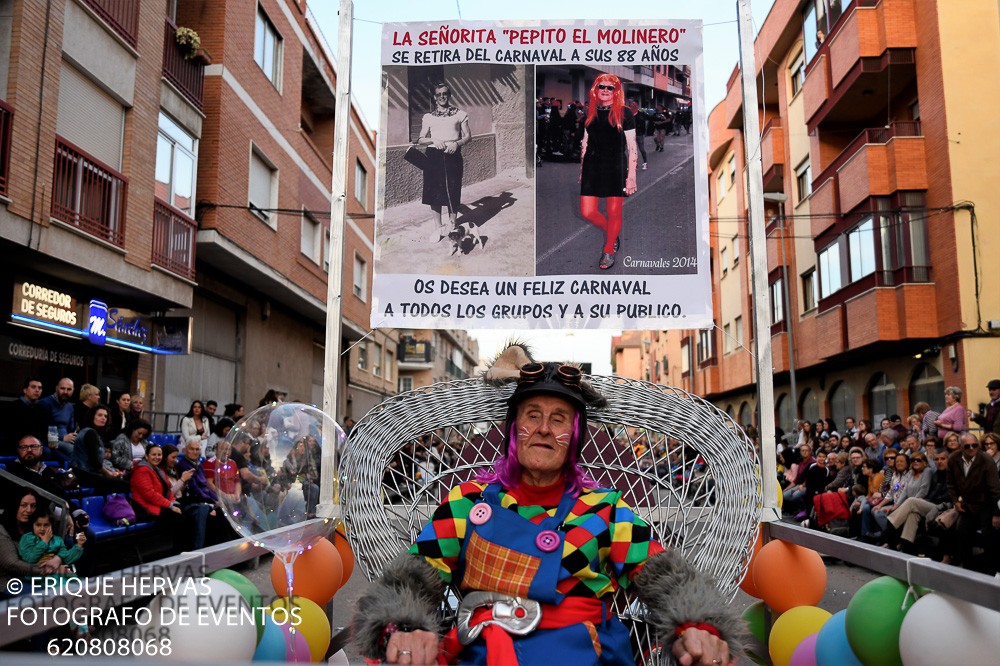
[{"x": 514, "y": 614}]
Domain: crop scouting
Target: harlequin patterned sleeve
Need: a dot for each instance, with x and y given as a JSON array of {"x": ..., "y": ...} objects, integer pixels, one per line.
[{"x": 440, "y": 542}]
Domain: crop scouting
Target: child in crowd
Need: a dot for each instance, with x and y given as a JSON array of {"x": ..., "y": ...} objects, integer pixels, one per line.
[{"x": 41, "y": 545}]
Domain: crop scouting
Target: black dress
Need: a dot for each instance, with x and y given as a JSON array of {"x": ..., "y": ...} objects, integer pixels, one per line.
[{"x": 605, "y": 165}]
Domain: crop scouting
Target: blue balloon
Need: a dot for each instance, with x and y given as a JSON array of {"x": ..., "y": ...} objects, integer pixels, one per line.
[
  {"x": 832, "y": 648},
  {"x": 271, "y": 646}
]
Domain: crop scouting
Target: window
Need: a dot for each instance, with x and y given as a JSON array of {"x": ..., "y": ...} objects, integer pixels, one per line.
[
  {"x": 915, "y": 110},
  {"x": 727, "y": 343},
  {"x": 705, "y": 345},
  {"x": 312, "y": 234},
  {"x": 842, "y": 403},
  {"x": 362, "y": 357},
  {"x": 405, "y": 384},
  {"x": 738, "y": 325},
  {"x": 267, "y": 48},
  {"x": 861, "y": 250},
  {"x": 809, "y": 295},
  {"x": 720, "y": 183},
  {"x": 360, "y": 277},
  {"x": 777, "y": 301},
  {"x": 784, "y": 415},
  {"x": 390, "y": 363},
  {"x": 809, "y": 405},
  {"x": 686, "y": 356},
  {"x": 723, "y": 261},
  {"x": 881, "y": 398},
  {"x": 810, "y": 39},
  {"x": 803, "y": 179},
  {"x": 732, "y": 170},
  {"x": 829, "y": 270},
  {"x": 797, "y": 74},
  {"x": 736, "y": 249},
  {"x": 326, "y": 251},
  {"x": 376, "y": 359},
  {"x": 361, "y": 184},
  {"x": 176, "y": 158},
  {"x": 927, "y": 386},
  {"x": 263, "y": 188}
]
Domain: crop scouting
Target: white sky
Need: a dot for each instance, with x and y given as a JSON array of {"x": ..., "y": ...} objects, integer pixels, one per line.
[{"x": 721, "y": 55}]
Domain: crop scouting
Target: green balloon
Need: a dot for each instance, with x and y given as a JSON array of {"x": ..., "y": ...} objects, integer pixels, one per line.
[
  {"x": 754, "y": 617},
  {"x": 247, "y": 590},
  {"x": 874, "y": 617}
]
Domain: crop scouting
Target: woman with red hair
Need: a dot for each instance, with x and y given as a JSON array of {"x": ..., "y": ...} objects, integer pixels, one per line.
[{"x": 607, "y": 170}]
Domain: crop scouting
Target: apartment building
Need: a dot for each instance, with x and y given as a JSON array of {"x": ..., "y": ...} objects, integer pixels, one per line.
[
  {"x": 189, "y": 188},
  {"x": 430, "y": 356},
  {"x": 881, "y": 218}
]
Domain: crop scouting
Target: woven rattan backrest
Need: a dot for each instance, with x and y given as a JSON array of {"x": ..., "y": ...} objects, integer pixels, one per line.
[{"x": 683, "y": 464}]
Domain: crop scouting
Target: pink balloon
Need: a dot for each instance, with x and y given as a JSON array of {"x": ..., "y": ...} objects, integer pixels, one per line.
[
  {"x": 805, "y": 652},
  {"x": 300, "y": 653}
]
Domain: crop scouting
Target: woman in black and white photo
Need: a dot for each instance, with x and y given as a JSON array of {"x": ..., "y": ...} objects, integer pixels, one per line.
[{"x": 444, "y": 131}]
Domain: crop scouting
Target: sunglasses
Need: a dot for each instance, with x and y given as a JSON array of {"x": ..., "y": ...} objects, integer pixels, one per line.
[
  {"x": 920, "y": 460},
  {"x": 970, "y": 446},
  {"x": 605, "y": 86}
]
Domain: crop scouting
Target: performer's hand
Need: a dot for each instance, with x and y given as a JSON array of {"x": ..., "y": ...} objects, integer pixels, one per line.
[
  {"x": 698, "y": 647},
  {"x": 630, "y": 186},
  {"x": 412, "y": 647},
  {"x": 450, "y": 147}
]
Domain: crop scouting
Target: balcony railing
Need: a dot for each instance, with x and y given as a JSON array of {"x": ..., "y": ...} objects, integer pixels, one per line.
[
  {"x": 186, "y": 75},
  {"x": 6, "y": 121},
  {"x": 173, "y": 240},
  {"x": 88, "y": 194},
  {"x": 879, "y": 135},
  {"x": 121, "y": 15}
]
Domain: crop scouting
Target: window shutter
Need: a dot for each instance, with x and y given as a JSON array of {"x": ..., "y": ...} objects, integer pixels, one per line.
[{"x": 89, "y": 118}]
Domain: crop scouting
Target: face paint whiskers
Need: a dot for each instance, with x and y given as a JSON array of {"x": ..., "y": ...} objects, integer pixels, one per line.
[{"x": 563, "y": 440}]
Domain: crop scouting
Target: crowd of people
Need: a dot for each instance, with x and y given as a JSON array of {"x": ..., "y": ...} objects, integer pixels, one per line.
[
  {"x": 929, "y": 485},
  {"x": 75, "y": 449}
]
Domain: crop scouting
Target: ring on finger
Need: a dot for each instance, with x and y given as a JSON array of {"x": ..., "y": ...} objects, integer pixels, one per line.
[{"x": 405, "y": 653}]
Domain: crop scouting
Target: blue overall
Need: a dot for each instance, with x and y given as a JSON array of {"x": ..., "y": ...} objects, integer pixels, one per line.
[{"x": 572, "y": 644}]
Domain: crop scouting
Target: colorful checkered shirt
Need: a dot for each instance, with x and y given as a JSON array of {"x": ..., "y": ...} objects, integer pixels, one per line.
[{"x": 606, "y": 544}]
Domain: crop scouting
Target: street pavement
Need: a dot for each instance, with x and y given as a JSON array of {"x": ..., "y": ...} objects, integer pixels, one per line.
[{"x": 658, "y": 220}]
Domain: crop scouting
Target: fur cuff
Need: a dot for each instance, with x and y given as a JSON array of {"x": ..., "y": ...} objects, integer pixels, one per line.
[
  {"x": 675, "y": 592},
  {"x": 408, "y": 594}
]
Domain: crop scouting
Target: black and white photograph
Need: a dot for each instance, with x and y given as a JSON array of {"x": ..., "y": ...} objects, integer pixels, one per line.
[{"x": 457, "y": 197}]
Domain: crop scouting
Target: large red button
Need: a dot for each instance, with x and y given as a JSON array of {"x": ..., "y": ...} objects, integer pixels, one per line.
[
  {"x": 480, "y": 513},
  {"x": 547, "y": 541}
]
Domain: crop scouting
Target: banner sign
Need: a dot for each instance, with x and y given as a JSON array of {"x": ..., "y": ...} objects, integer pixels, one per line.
[{"x": 542, "y": 175}]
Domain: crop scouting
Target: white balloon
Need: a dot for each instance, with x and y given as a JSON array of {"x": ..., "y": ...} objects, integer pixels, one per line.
[
  {"x": 340, "y": 659},
  {"x": 939, "y": 629},
  {"x": 204, "y": 619}
]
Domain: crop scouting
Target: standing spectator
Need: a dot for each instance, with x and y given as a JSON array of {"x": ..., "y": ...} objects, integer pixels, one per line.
[
  {"x": 927, "y": 418},
  {"x": 348, "y": 425},
  {"x": 990, "y": 421},
  {"x": 864, "y": 427},
  {"x": 121, "y": 413},
  {"x": 896, "y": 423},
  {"x": 195, "y": 422},
  {"x": 24, "y": 417},
  {"x": 915, "y": 427},
  {"x": 954, "y": 416},
  {"x": 59, "y": 414},
  {"x": 974, "y": 488},
  {"x": 640, "y": 131},
  {"x": 90, "y": 396},
  {"x": 659, "y": 123},
  {"x": 210, "y": 407}
]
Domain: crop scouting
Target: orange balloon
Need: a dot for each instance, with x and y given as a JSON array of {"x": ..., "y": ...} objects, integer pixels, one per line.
[
  {"x": 316, "y": 574},
  {"x": 346, "y": 554},
  {"x": 787, "y": 575},
  {"x": 747, "y": 585}
]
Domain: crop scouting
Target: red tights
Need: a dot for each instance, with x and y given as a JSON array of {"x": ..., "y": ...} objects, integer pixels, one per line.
[{"x": 610, "y": 225}]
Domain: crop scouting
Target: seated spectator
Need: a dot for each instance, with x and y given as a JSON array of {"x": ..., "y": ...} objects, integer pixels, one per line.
[
  {"x": 299, "y": 467},
  {"x": 223, "y": 474},
  {"x": 931, "y": 447},
  {"x": 912, "y": 482},
  {"x": 796, "y": 492},
  {"x": 121, "y": 414},
  {"x": 89, "y": 451},
  {"x": 817, "y": 477},
  {"x": 129, "y": 447},
  {"x": 234, "y": 411},
  {"x": 196, "y": 498},
  {"x": 220, "y": 431},
  {"x": 195, "y": 422},
  {"x": 19, "y": 507},
  {"x": 41, "y": 545},
  {"x": 24, "y": 416},
  {"x": 910, "y": 520},
  {"x": 869, "y": 490},
  {"x": 136, "y": 406},
  {"x": 60, "y": 415},
  {"x": 89, "y": 397},
  {"x": 874, "y": 448},
  {"x": 168, "y": 463},
  {"x": 991, "y": 445},
  {"x": 915, "y": 427},
  {"x": 152, "y": 495}
]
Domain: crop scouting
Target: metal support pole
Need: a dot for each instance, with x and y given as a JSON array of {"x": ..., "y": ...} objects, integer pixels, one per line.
[
  {"x": 329, "y": 493},
  {"x": 758, "y": 263},
  {"x": 780, "y": 199}
]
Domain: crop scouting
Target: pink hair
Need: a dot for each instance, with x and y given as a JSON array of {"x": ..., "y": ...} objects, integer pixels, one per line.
[{"x": 507, "y": 470}]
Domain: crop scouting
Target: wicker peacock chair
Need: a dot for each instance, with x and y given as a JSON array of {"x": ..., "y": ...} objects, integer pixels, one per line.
[{"x": 682, "y": 464}]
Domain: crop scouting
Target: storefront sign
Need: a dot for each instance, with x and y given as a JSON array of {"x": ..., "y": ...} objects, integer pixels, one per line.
[
  {"x": 97, "y": 328},
  {"x": 17, "y": 351},
  {"x": 47, "y": 305},
  {"x": 128, "y": 325}
]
